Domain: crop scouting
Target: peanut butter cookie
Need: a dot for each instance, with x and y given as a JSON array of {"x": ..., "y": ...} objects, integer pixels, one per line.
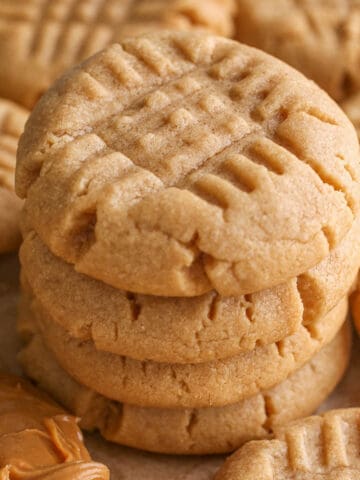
[
  {"x": 176, "y": 163},
  {"x": 186, "y": 330},
  {"x": 193, "y": 431},
  {"x": 314, "y": 448},
  {"x": 216, "y": 383},
  {"x": 40, "y": 40},
  {"x": 12, "y": 121},
  {"x": 319, "y": 38}
]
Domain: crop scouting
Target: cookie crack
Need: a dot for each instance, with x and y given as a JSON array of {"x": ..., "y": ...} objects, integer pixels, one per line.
[{"x": 192, "y": 422}]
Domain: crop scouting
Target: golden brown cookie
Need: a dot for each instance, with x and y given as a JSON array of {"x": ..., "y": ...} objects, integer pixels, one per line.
[
  {"x": 314, "y": 448},
  {"x": 38, "y": 439},
  {"x": 216, "y": 383},
  {"x": 12, "y": 121},
  {"x": 174, "y": 163},
  {"x": 319, "y": 38},
  {"x": 352, "y": 109},
  {"x": 186, "y": 330},
  {"x": 194, "y": 431},
  {"x": 40, "y": 40}
]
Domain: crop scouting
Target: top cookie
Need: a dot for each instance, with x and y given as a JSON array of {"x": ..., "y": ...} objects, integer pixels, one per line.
[
  {"x": 319, "y": 38},
  {"x": 39, "y": 40},
  {"x": 174, "y": 163},
  {"x": 315, "y": 448}
]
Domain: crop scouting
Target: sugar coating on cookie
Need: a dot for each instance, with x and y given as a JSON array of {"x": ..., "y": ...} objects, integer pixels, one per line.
[
  {"x": 319, "y": 38},
  {"x": 314, "y": 448},
  {"x": 185, "y": 330},
  {"x": 216, "y": 383},
  {"x": 193, "y": 430},
  {"x": 43, "y": 39},
  {"x": 12, "y": 121},
  {"x": 177, "y": 163}
]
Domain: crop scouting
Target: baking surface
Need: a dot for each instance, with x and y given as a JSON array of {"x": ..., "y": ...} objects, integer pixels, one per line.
[{"x": 127, "y": 463}]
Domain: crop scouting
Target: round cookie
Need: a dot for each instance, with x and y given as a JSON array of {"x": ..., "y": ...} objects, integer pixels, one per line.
[
  {"x": 185, "y": 330},
  {"x": 12, "y": 121},
  {"x": 176, "y": 163},
  {"x": 313, "y": 448},
  {"x": 319, "y": 38},
  {"x": 40, "y": 40},
  {"x": 38, "y": 439},
  {"x": 193, "y": 431},
  {"x": 217, "y": 383},
  {"x": 352, "y": 109}
]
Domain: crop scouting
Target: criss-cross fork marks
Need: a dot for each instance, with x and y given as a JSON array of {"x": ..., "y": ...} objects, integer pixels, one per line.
[
  {"x": 323, "y": 444},
  {"x": 12, "y": 120},
  {"x": 205, "y": 121},
  {"x": 200, "y": 130},
  {"x": 66, "y": 31},
  {"x": 63, "y": 32}
]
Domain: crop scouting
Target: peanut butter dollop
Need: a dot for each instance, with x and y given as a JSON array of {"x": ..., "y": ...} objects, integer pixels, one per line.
[{"x": 38, "y": 440}]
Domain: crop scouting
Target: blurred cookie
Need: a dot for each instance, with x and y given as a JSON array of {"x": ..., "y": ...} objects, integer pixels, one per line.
[
  {"x": 186, "y": 330},
  {"x": 40, "y": 40},
  {"x": 352, "y": 109},
  {"x": 193, "y": 431},
  {"x": 177, "y": 163},
  {"x": 313, "y": 448},
  {"x": 12, "y": 121},
  {"x": 319, "y": 38},
  {"x": 355, "y": 304},
  {"x": 217, "y": 383},
  {"x": 38, "y": 439}
]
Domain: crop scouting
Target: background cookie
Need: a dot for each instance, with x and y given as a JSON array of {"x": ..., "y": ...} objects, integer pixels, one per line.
[
  {"x": 319, "y": 38},
  {"x": 12, "y": 121},
  {"x": 196, "y": 431},
  {"x": 38, "y": 439},
  {"x": 317, "y": 447},
  {"x": 352, "y": 110},
  {"x": 40, "y": 40},
  {"x": 185, "y": 330},
  {"x": 238, "y": 137},
  {"x": 216, "y": 383},
  {"x": 355, "y": 305}
]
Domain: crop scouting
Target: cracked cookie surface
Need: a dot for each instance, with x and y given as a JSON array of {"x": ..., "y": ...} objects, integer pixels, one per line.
[
  {"x": 185, "y": 330},
  {"x": 177, "y": 163},
  {"x": 216, "y": 383},
  {"x": 191, "y": 431}
]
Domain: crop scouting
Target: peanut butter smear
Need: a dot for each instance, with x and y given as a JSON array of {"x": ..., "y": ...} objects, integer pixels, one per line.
[{"x": 38, "y": 440}]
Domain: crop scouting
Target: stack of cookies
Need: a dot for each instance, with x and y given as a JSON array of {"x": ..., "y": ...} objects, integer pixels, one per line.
[{"x": 190, "y": 240}]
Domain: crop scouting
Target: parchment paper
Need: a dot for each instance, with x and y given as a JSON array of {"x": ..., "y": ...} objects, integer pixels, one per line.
[{"x": 127, "y": 463}]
